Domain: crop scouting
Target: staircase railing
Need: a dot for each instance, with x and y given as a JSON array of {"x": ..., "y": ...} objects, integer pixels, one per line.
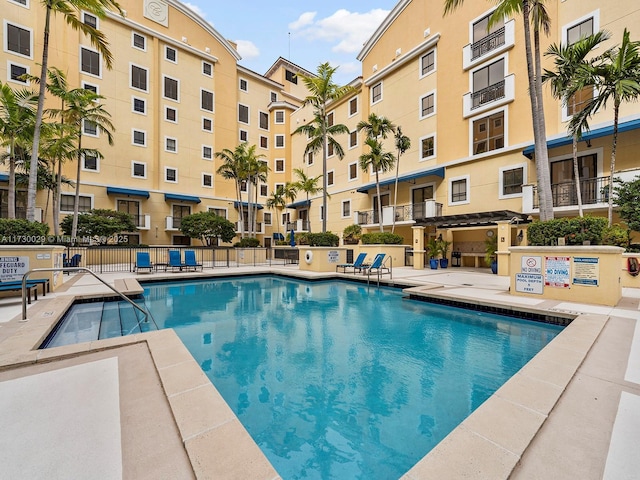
[{"x": 76, "y": 269}]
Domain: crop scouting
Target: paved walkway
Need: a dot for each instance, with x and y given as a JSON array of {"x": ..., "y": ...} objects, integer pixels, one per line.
[{"x": 87, "y": 410}]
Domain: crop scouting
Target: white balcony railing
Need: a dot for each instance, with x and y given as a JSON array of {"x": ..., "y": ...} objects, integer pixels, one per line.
[
  {"x": 493, "y": 44},
  {"x": 493, "y": 96}
]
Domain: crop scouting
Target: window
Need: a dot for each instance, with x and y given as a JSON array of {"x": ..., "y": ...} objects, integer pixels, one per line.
[
  {"x": 459, "y": 190},
  {"x": 206, "y": 100},
  {"x": 244, "y": 86},
  {"x": 279, "y": 116},
  {"x": 221, "y": 212},
  {"x": 243, "y": 114},
  {"x": 207, "y": 152},
  {"x": 171, "y": 88},
  {"x": 67, "y": 201},
  {"x": 353, "y": 106},
  {"x": 578, "y": 101},
  {"x": 21, "y": 2},
  {"x": 290, "y": 76},
  {"x": 138, "y": 78},
  {"x": 139, "y": 138},
  {"x": 90, "y": 162},
  {"x": 488, "y": 133},
  {"x": 346, "y": 208},
  {"x": 321, "y": 212},
  {"x": 89, "y": 62},
  {"x": 207, "y": 69},
  {"x": 244, "y": 136},
  {"x": 330, "y": 178},
  {"x": 171, "y": 144},
  {"x": 427, "y": 147},
  {"x": 286, "y": 218},
  {"x": 171, "y": 54},
  {"x": 512, "y": 180},
  {"x": 428, "y": 63},
  {"x": 264, "y": 142},
  {"x": 264, "y": 120},
  {"x": 579, "y": 31},
  {"x": 207, "y": 180},
  {"x": 279, "y": 164},
  {"x": 330, "y": 119},
  {"x": 18, "y": 40},
  {"x": 170, "y": 114},
  {"x": 376, "y": 93},
  {"x": 90, "y": 128},
  {"x": 90, "y": 20},
  {"x": 16, "y": 72},
  {"x": 171, "y": 175},
  {"x": 488, "y": 83},
  {"x": 207, "y": 124},
  {"x": 279, "y": 141},
  {"x": 139, "y": 41},
  {"x": 485, "y": 38},
  {"x": 353, "y": 139},
  {"x": 139, "y": 105},
  {"x": 427, "y": 105},
  {"x": 243, "y": 186},
  {"x": 310, "y": 158},
  {"x": 481, "y": 29},
  {"x": 330, "y": 150},
  {"x": 139, "y": 170},
  {"x": 264, "y": 190},
  {"x": 266, "y": 218},
  {"x": 353, "y": 171}
]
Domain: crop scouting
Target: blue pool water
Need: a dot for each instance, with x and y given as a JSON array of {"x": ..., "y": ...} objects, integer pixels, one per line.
[{"x": 335, "y": 380}]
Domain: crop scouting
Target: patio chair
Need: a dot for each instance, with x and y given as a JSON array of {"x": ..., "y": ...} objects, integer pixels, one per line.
[
  {"x": 190, "y": 260},
  {"x": 143, "y": 262},
  {"x": 72, "y": 262},
  {"x": 378, "y": 267},
  {"x": 357, "y": 266},
  {"x": 175, "y": 260}
]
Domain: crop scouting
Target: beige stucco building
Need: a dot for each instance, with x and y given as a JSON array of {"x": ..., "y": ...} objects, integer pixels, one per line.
[{"x": 178, "y": 94}]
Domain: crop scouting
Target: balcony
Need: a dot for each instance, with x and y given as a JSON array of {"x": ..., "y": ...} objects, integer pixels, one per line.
[
  {"x": 259, "y": 227},
  {"x": 143, "y": 222},
  {"x": 297, "y": 226},
  {"x": 594, "y": 192},
  {"x": 496, "y": 42},
  {"x": 173, "y": 223},
  {"x": 403, "y": 213},
  {"x": 493, "y": 96}
]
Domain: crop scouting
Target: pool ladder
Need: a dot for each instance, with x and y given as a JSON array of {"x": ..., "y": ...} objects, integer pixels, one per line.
[{"x": 77, "y": 269}]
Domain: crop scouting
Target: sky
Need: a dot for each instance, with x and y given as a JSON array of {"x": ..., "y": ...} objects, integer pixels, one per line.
[{"x": 305, "y": 33}]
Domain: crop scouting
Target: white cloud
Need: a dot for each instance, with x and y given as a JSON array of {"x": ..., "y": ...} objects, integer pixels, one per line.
[
  {"x": 348, "y": 31},
  {"x": 195, "y": 9},
  {"x": 247, "y": 49},
  {"x": 303, "y": 20}
]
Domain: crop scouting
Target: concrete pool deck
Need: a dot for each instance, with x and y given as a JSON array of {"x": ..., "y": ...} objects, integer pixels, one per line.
[{"x": 572, "y": 412}]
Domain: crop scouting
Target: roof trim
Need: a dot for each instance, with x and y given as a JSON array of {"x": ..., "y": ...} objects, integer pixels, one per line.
[
  {"x": 438, "y": 172},
  {"x": 481, "y": 219},
  {"x": 251, "y": 73},
  {"x": 283, "y": 61},
  {"x": 386, "y": 23}
]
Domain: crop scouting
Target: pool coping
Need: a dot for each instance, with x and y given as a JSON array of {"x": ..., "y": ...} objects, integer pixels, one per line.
[{"x": 486, "y": 444}]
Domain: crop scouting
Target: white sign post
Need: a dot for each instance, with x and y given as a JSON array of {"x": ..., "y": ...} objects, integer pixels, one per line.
[
  {"x": 557, "y": 271},
  {"x": 13, "y": 268},
  {"x": 333, "y": 256},
  {"x": 529, "y": 283},
  {"x": 531, "y": 265},
  {"x": 586, "y": 271}
]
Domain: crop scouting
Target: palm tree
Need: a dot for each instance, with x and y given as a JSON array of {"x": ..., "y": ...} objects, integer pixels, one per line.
[
  {"x": 534, "y": 15},
  {"x": 403, "y": 143},
  {"x": 615, "y": 76},
  {"x": 376, "y": 126},
  {"x": 71, "y": 11},
  {"x": 278, "y": 199},
  {"x": 257, "y": 170},
  {"x": 309, "y": 185},
  {"x": 16, "y": 127},
  {"x": 233, "y": 168},
  {"x": 379, "y": 161},
  {"x": 568, "y": 60},
  {"x": 322, "y": 91}
]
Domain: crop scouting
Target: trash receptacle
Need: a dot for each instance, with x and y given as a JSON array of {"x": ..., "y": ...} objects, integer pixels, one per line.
[{"x": 455, "y": 259}]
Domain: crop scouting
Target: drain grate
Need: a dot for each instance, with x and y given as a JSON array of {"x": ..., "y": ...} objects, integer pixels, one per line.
[{"x": 467, "y": 284}]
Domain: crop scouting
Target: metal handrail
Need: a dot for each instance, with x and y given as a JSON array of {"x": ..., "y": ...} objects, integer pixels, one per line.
[{"x": 75, "y": 269}]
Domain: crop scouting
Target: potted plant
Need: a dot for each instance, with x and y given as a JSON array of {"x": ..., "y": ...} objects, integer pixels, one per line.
[
  {"x": 444, "y": 251},
  {"x": 351, "y": 234},
  {"x": 490, "y": 248},
  {"x": 433, "y": 250}
]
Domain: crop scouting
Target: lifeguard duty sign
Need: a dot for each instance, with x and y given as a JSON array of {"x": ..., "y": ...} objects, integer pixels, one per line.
[
  {"x": 557, "y": 271},
  {"x": 13, "y": 268},
  {"x": 529, "y": 280}
]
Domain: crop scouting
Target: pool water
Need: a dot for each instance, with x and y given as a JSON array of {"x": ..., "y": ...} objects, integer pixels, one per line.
[{"x": 335, "y": 380}]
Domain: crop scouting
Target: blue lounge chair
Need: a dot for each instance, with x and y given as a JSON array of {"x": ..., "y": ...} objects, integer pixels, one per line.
[
  {"x": 190, "y": 260},
  {"x": 46, "y": 288},
  {"x": 175, "y": 260},
  {"x": 377, "y": 267},
  {"x": 11, "y": 287},
  {"x": 143, "y": 262},
  {"x": 72, "y": 262},
  {"x": 357, "y": 266}
]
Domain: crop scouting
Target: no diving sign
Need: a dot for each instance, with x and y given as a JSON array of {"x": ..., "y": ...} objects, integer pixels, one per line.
[{"x": 531, "y": 265}]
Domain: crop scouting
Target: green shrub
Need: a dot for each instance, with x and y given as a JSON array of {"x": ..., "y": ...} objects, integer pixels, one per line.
[
  {"x": 384, "y": 238},
  {"x": 21, "y": 232},
  {"x": 248, "y": 242},
  {"x": 352, "y": 234},
  {"x": 300, "y": 238},
  {"x": 575, "y": 231},
  {"x": 327, "y": 239},
  {"x": 617, "y": 236}
]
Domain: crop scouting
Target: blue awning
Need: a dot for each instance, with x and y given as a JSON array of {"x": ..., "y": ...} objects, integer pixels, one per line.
[
  {"x": 4, "y": 177},
  {"x": 437, "y": 172},
  {"x": 596, "y": 133},
  {"x": 278, "y": 236},
  {"x": 181, "y": 198},
  {"x": 303, "y": 203},
  {"x": 246, "y": 205},
  {"x": 127, "y": 191}
]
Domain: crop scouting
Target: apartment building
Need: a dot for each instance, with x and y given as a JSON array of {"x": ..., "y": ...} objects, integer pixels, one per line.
[{"x": 458, "y": 90}]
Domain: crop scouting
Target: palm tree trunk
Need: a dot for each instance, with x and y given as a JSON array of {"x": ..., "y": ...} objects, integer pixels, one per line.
[
  {"x": 33, "y": 169},
  {"x": 12, "y": 182},
  {"x": 240, "y": 208},
  {"x": 56, "y": 200},
  {"x": 76, "y": 200},
  {"x": 379, "y": 202},
  {"x": 255, "y": 212},
  {"x": 395, "y": 194},
  {"x": 616, "y": 113},
  {"x": 576, "y": 173},
  {"x": 308, "y": 212},
  {"x": 324, "y": 181}
]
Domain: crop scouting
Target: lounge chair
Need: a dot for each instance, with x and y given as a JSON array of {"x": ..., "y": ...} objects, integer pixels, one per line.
[
  {"x": 143, "y": 262},
  {"x": 190, "y": 260},
  {"x": 377, "y": 267},
  {"x": 357, "y": 266},
  {"x": 12, "y": 287},
  {"x": 73, "y": 262},
  {"x": 175, "y": 260}
]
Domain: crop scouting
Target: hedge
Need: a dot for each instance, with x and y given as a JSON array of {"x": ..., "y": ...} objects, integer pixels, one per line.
[
  {"x": 575, "y": 231},
  {"x": 382, "y": 238},
  {"x": 20, "y": 232},
  {"x": 327, "y": 239}
]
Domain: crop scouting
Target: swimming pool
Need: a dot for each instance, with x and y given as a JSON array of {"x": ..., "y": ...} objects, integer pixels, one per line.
[{"x": 337, "y": 380}]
